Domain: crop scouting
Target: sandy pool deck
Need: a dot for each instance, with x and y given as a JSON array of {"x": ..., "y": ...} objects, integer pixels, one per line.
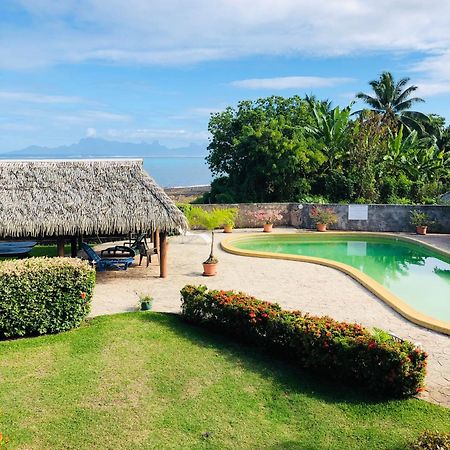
[{"x": 294, "y": 285}]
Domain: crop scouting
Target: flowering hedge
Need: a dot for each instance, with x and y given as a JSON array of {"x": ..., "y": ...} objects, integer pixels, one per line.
[
  {"x": 432, "y": 440},
  {"x": 43, "y": 295},
  {"x": 344, "y": 350}
]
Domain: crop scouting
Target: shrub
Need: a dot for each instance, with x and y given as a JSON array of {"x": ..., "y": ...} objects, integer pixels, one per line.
[
  {"x": 268, "y": 216},
  {"x": 320, "y": 199},
  {"x": 229, "y": 216},
  {"x": 344, "y": 350},
  {"x": 326, "y": 216},
  {"x": 420, "y": 219},
  {"x": 432, "y": 440},
  {"x": 184, "y": 207},
  {"x": 44, "y": 295}
]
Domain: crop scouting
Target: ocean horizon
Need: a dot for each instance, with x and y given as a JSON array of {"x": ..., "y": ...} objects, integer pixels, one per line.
[
  {"x": 167, "y": 171},
  {"x": 179, "y": 171}
]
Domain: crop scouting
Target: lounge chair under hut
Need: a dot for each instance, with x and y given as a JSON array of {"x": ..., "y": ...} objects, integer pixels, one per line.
[{"x": 68, "y": 200}]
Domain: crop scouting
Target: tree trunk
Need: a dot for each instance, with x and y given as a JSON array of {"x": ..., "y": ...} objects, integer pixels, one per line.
[{"x": 212, "y": 245}]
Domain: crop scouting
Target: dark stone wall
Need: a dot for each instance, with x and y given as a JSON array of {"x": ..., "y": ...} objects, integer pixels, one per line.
[{"x": 380, "y": 217}]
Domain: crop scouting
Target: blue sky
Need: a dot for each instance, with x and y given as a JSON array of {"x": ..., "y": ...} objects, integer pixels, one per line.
[{"x": 143, "y": 70}]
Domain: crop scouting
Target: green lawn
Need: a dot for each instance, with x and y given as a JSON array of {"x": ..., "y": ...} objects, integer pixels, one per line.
[
  {"x": 147, "y": 380},
  {"x": 48, "y": 250}
]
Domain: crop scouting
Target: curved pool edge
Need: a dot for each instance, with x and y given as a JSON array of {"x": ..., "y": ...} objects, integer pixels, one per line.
[{"x": 369, "y": 283}]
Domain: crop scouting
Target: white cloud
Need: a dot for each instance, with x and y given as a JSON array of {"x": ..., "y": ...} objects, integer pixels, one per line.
[
  {"x": 30, "y": 97},
  {"x": 435, "y": 71},
  {"x": 437, "y": 64},
  {"x": 170, "y": 32},
  {"x": 300, "y": 82},
  {"x": 17, "y": 127},
  {"x": 167, "y": 134},
  {"x": 430, "y": 88},
  {"x": 90, "y": 117},
  {"x": 196, "y": 113},
  {"x": 91, "y": 132},
  {"x": 205, "y": 111}
]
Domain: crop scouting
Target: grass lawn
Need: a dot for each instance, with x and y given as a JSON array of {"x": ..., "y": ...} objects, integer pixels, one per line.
[
  {"x": 147, "y": 380},
  {"x": 48, "y": 250}
]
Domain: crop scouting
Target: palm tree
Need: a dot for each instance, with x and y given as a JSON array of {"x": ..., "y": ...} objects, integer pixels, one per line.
[{"x": 393, "y": 99}]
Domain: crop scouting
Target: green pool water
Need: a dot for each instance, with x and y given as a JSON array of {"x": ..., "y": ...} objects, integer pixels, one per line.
[{"x": 417, "y": 275}]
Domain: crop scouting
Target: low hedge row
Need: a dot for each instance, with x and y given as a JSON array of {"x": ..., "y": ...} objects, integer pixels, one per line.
[
  {"x": 43, "y": 295},
  {"x": 343, "y": 350}
]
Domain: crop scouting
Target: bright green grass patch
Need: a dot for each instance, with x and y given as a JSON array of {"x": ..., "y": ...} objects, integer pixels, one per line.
[
  {"x": 48, "y": 250},
  {"x": 148, "y": 380}
]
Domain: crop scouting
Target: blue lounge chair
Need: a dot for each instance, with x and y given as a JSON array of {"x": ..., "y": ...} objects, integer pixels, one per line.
[
  {"x": 16, "y": 248},
  {"x": 104, "y": 263},
  {"x": 20, "y": 252},
  {"x": 127, "y": 249},
  {"x": 18, "y": 243}
]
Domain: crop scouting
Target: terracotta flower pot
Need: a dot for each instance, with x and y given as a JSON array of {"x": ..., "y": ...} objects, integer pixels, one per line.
[
  {"x": 227, "y": 229},
  {"x": 321, "y": 226},
  {"x": 209, "y": 270},
  {"x": 146, "y": 306},
  {"x": 268, "y": 227},
  {"x": 421, "y": 230}
]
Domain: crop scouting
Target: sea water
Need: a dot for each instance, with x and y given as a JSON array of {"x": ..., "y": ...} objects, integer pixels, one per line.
[{"x": 178, "y": 171}]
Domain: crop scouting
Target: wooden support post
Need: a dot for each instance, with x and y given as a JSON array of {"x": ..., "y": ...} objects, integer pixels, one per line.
[
  {"x": 60, "y": 245},
  {"x": 163, "y": 247},
  {"x": 73, "y": 247},
  {"x": 156, "y": 245}
]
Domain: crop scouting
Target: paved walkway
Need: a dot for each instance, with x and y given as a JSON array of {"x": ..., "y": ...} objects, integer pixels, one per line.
[{"x": 294, "y": 285}]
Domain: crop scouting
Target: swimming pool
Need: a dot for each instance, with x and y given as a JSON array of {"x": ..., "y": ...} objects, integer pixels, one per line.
[{"x": 411, "y": 277}]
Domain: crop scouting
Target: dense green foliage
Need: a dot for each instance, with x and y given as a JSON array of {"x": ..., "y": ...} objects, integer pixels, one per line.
[
  {"x": 149, "y": 381},
  {"x": 262, "y": 151},
  {"x": 43, "y": 295},
  {"x": 292, "y": 149},
  {"x": 347, "y": 351}
]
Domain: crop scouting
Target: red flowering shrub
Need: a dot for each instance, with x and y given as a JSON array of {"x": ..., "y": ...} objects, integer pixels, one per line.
[{"x": 344, "y": 350}]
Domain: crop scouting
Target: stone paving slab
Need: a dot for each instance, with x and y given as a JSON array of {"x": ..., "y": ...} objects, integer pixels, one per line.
[{"x": 294, "y": 285}]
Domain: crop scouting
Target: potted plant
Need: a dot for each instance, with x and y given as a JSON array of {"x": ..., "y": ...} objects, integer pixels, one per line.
[
  {"x": 145, "y": 302},
  {"x": 229, "y": 219},
  {"x": 268, "y": 218},
  {"x": 210, "y": 220},
  {"x": 421, "y": 221},
  {"x": 322, "y": 217}
]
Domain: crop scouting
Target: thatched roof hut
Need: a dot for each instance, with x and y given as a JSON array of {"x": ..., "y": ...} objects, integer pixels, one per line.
[{"x": 82, "y": 197}]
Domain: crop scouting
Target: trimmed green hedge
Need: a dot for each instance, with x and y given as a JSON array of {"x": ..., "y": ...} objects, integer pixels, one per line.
[
  {"x": 344, "y": 350},
  {"x": 44, "y": 295}
]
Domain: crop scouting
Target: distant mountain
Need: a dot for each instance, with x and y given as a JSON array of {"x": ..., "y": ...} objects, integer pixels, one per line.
[{"x": 101, "y": 148}]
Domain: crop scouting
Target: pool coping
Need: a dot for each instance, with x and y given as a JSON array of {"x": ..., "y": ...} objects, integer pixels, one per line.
[{"x": 368, "y": 282}]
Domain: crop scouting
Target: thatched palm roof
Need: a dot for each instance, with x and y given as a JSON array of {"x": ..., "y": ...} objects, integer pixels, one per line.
[{"x": 89, "y": 197}]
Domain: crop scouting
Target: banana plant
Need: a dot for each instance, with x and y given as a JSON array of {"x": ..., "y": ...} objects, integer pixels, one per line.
[{"x": 331, "y": 126}]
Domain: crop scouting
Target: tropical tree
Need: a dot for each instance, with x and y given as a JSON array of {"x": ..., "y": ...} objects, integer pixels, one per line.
[
  {"x": 260, "y": 153},
  {"x": 394, "y": 99}
]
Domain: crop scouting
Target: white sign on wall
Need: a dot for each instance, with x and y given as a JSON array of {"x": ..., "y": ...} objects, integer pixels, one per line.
[{"x": 358, "y": 212}]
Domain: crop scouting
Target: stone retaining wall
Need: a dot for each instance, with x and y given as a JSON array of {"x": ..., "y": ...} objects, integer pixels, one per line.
[{"x": 380, "y": 217}]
